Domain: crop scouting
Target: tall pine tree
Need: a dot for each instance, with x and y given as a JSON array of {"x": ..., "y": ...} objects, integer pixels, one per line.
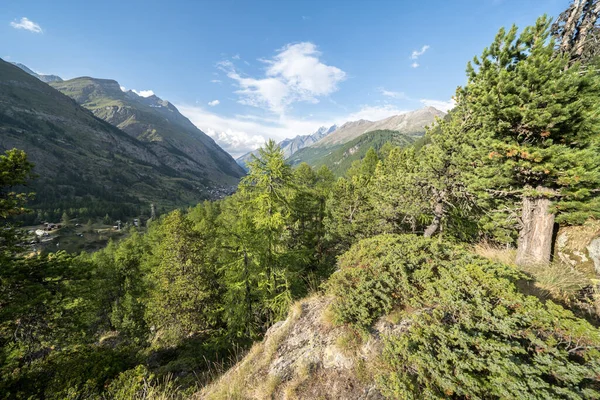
[{"x": 533, "y": 120}]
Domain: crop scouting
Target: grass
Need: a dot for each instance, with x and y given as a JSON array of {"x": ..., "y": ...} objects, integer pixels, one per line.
[
  {"x": 243, "y": 380},
  {"x": 556, "y": 280}
]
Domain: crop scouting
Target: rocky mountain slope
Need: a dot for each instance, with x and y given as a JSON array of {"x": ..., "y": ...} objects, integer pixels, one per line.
[
  {"x": 291, "y": 146},
  {"x": 83, "y": 161},
  {"x": 411, "y": 123},
  {"x": 170, "y": 135},
  {"x": 348, "y": 142},
  {"x": 41, "y": 77}
]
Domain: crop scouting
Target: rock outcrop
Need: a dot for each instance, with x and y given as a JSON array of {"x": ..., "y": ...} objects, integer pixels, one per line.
[
  {"x": 305, "y": 357},
  {"x": 579, "y": 246}
]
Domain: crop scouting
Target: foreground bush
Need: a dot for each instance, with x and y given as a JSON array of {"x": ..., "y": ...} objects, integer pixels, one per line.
[{"x": 469, "y": 333}]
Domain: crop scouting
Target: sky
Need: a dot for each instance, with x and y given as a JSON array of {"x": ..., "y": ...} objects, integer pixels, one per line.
[{"x": 246, "y": 71}]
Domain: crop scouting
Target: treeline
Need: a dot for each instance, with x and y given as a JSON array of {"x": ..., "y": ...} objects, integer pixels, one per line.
[{"x": 518, "y": 153}]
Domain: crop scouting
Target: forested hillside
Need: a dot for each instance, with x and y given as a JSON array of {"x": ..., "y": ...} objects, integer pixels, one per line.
[
  {"x": 89, "y": 168},
  {"x": 424, "y": 272},
  {"x": 340, "y": 158}
]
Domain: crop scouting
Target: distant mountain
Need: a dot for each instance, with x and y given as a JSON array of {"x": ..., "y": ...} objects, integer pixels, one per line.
[
  {"x": 43, "y": 78},
  {"x": 351, "y": 141},
  {"x": 411, "y": 123},
  {"x": 170, "y": 135},
  {"x": 291, "y": 146},
  {"x": 339, "y": 158},
  {"x": 84, "y": 163}
]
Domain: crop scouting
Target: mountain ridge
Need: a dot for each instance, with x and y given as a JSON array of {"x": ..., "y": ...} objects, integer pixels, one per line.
[
  {"x": 157, "y": 122},
  {"x": 41, "y": 77},
  {"x": 411, "y": 123},
  {"x": 82, "y": 161},
  {"x": 292, "y": 145}
]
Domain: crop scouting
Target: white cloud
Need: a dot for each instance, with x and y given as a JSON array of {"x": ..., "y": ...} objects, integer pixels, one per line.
[
  {"x": 215, "y": 81},
  {"x": 392, "y": 94},
  {"x": 373, "y": 113},
  {"x": 294, "y": 74},
  {"x": 236, "y": 57},
  {"x": 418, "y": 53},
  {"x": 239, "y": 134},
  {"x": 439, "y": 104},
  {"x": 143, "y": 93},
  {"x": 28, "y": 25},
  {"x": 214, "y": 103}
]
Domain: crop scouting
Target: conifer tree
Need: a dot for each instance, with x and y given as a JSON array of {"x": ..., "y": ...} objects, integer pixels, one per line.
[
  {"x": 268, "y": 186},
  {"x": 184, "y": 284},
  {"x": 532, "y": 130}
]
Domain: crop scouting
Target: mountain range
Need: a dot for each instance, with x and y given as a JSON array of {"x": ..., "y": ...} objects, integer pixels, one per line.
[
  {"x": 170, "y": 135},
  {"x": 291, "y": 146},
  {"x": 83, "y": 161},
  {"x": 351, "y": 140},
  {"x": 41, "y": 77}
]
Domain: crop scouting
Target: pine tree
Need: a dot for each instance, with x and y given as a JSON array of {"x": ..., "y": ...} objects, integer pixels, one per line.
[
  {"x": 65, "y": 219},
  {"x": 531, "y": 129},
  {"x": 268, "y": 187},
  {"x": 184, "y": 285}
]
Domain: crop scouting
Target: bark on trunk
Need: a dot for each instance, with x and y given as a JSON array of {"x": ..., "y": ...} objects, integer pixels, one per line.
[
  {"x": 534, "y": 246},
  {"x": 438, "y": 213}
]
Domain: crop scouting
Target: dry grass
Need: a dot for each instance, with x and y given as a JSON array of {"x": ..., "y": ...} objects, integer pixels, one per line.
[
  {"x": 556, "y": 280},
  {"x": 164, "y": 389},
  {"x": 499, "y": 254},
  {"x": 243, "y": 381},
  {"x": 559, "y": 281}
]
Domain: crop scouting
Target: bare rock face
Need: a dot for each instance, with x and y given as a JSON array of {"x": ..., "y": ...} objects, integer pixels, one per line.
[
  {"x": 579, "y": 246},
  {"x": 304, "y": 357}
]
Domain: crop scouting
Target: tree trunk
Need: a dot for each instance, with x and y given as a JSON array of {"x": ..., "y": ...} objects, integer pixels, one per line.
[
  {"x": 438, "y": 213},
  {"x": 534, "y": 246}
]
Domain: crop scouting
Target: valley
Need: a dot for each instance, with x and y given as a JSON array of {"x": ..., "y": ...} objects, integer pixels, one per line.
[{"x": 372, "y": 241}]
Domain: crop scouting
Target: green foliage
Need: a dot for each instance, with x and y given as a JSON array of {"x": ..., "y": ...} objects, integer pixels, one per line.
[
  {"x": 339, "y": 158},
  {"x": 467, "y": 331},
  {"x": 531, "y": 119},
  {"x": 15, "y": 170},
  {"x": 183, "y": 282}
]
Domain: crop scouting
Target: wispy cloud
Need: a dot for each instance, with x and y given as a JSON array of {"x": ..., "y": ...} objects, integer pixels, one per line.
[
  {"x": 439, "y": 104},
  {"x": 392, "y": 94},
  {"x": 27, "y": 24},
  {"x": 236, "y": 57},
  {"x": 239, "y": 134},
  {"x": 372, "y": 113},
  {"x": 214, "y": 103},
  {"x": 294, "y": 74},
  {"x": 416, "y": 54},
  {"x": 215, "y": 81}
]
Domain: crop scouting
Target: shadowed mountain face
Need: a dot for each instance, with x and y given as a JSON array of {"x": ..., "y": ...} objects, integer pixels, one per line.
[
  {"x": 158, "y": 123},
  {"x": 83, "y": 161}
]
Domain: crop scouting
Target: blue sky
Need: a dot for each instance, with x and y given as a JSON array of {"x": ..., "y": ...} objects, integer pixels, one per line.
[{"x": 243, "y": 71}]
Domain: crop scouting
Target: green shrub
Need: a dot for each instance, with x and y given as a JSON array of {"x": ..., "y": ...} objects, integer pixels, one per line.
[{"x": 469, "y": 332}]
